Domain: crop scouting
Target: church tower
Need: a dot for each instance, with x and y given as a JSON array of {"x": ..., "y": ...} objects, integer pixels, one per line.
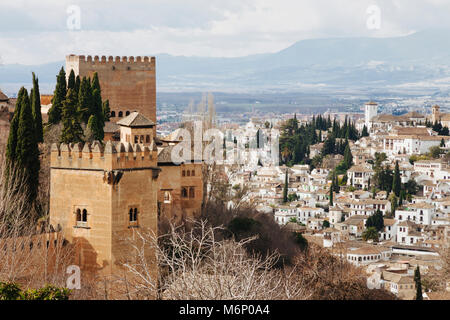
[
  {"x": 371, "y": 111},
  {"x": 435, "y": 113}
]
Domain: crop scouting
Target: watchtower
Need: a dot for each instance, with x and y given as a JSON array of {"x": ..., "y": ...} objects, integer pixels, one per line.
[
  {"x": 99, "y": 195},
  {"x": 129, "y": 83}
]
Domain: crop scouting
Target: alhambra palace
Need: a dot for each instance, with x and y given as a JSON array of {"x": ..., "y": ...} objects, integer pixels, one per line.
[{"x": 101, "y": 193}]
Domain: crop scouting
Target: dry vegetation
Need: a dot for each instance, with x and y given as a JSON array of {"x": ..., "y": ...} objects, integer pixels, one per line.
[{"x": 30, "y": 254}]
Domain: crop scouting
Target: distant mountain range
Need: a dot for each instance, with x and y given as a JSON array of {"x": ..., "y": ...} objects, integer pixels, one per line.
[{"x": 418, "y": 62}]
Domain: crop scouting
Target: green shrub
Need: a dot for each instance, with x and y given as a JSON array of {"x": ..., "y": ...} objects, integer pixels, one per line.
[{"x": 12, "y": 291}]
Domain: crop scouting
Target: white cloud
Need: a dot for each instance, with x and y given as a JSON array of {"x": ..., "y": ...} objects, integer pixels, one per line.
[{"x": 34, "y": 32}]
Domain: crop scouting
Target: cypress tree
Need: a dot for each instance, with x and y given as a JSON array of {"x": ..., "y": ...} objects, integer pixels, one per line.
[
  {"x": 418, "y": 282},
  {"x": 27, "y": 151},
  {"x": 36, "y": 109},
  {"x": 106, "y": 111},
  {"x": 348, "y": 157},
  {"x": 59, "y": 95},
  {"x": 96, "y": 126},
  {"x": 364, "y": 132},
  {"x": 97, "y": 112},
  {"x": 71, "y": 82},
  {"x": 396, "y": 182},
  {"x": 72, "y": 131},
  {"x": 84, "y": 107},
  {"x": 12, "y": 138},
  {"x": 77, "y": 84},
  {"x": 331, "y": 194},
  {"x": 286, "y": 187}
]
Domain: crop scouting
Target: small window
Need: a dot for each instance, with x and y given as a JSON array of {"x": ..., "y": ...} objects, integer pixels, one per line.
[
  {"x": 191, "y": 192},
  {"x": 188, "y": 173},
  {"x": 183, "y": 173},
  {"x": 136, "y": 139},
  {"x": 141, "y": 139},
  {"x": 184, "y": 192},
  {"x": 193, "y": 173},
  {"x": 81, "y": 218},
  {"x": 147, "y": 139},
  {"x": 113, "y": 114},
  {"x": 120, "y": 114},
  {"x": 127, "y": 113},
  {"x": 167, "y": 197},
  {"x": 133, "y": 215}
]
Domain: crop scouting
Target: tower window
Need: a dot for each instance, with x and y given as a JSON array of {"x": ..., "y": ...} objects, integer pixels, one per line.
[
  {"x": 81, "y": 218},
  {"x": 184, "y": 192},
  {"x": 127, "y": 113},
  {"x": 113, "y": 114},
  {"x": 120, "y": 114},
  {"x": 133, "y": 215},
  {"x": 167, "y": 197},
  {"x": 191, "y": 192}
]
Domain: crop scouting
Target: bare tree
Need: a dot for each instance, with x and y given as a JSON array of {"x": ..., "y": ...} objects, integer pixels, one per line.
[
  {"x": 193, "y": 264},
  {"x": 30, "y": 254}
]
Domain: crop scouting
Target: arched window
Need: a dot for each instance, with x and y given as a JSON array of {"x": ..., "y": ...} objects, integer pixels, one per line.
[
  {"x": 81, "y": 217},
  {"x": 147, "y": 139},
  {"x": 113, "y": 114},
  {"x": 127, "y": 113},
  {"x": 188, "y": 173},
  {"x": 184, "y": 192},
  {"x": 141, "y": 139},
  {"x": 120, "y": 114},
  {"x": 193, "y": 173},
  {"x": 191, "y": 192},
  {"x": 167, "y": 197},
  {"x": 183, "y": 173}
]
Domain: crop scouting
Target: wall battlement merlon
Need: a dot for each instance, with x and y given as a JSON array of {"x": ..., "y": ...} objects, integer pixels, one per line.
[
  {"x": 96, "y": 155},
  {"x": 144, "y": 60}
]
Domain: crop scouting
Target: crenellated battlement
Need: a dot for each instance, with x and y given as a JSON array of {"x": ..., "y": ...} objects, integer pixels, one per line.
[
  {"x": 95, "y": 156},
  {"x": 125, "y": 60}
]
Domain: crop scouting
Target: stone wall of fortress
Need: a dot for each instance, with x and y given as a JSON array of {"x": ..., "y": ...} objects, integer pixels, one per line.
[
  {"x": 106, "y": 182},
  {"x": 129, "y": 83}
]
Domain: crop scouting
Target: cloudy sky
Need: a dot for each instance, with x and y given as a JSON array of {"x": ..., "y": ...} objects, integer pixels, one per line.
[{"x": 34, "y": 32}]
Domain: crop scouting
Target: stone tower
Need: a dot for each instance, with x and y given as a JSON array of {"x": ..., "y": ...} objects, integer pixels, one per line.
[
  {"x": 435, "y": 113},
  {"x": 100, "y": 195},
  {"x": 371, "y": 111},
  {"x": 128, "y": 83}
]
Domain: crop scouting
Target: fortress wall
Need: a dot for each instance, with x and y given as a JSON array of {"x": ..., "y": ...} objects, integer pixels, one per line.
[
  {"x": 129, "y": 83},
  {"x": 95, "y": 157}
]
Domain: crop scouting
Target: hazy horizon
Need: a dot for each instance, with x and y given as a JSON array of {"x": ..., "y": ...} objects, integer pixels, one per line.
[{"x": 41, "y": 32}]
